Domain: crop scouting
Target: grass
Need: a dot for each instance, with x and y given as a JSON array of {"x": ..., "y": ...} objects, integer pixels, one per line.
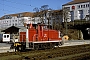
[{"x": 10, "y": 57}]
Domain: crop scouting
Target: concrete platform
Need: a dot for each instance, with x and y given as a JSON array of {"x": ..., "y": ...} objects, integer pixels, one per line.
[
  {"x": 6, "y": 50},
  {"x": 5, "y": 47},
  {"x": 75, "y": 42}
]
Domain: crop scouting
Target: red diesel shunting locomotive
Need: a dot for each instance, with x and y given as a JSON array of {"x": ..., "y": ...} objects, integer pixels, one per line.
[{"x": 39, "y": 38}]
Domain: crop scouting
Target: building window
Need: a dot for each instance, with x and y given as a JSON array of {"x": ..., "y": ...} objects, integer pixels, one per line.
[
  {"x": 78, "y": 6},
  {"x": 20, "y": 15},
  {"x": 81, "y": 6},
  {"x": 88, "y": 5},
  {"x": 68, "y": 8},
  {"x": 7, "y": 17},
  {"x": 88, "y": 11},
  {"x": 16, "y": 20},
  {"x": 10, "y": 24},
  {"x": 13, "y": 25},
  {"x": 13, "y": 20}
]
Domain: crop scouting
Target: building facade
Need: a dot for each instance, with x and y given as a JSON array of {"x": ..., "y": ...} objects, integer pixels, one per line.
[
  {"x": 21, "y": 19},
  {"x": 18, "y": 20},
  {"x": 77, "y": 10}
]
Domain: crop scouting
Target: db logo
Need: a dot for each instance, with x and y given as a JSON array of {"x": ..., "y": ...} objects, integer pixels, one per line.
[{"x": 45, "y": 35}]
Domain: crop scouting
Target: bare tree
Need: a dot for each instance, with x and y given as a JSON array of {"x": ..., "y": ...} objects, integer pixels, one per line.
[
  {"x": 44, "y": 7},
  {"x": 65, "y": 14},
  {"x": 43, "y": 11},
  {"x": 36, "y": 9},
  {"x": 65, "y": 17}
]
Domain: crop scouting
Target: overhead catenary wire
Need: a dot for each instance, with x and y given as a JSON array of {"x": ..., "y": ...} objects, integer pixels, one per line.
[
  {"x": 11, "y": 6},
  {"x": 3, "y": 9},
  {"x": 19, "y": 3},
  {"x": 6, "y": 11}
]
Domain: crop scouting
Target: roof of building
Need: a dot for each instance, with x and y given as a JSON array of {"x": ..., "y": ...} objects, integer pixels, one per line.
[
  {"x": 52, "y": 11},
  {"x": 76, "y": 2},
  {"x": 24, "y": 14},
  {"x": 11, "y": 29}
]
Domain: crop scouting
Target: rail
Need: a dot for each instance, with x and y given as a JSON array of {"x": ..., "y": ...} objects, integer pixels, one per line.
[{"x": 70, "y": 53}]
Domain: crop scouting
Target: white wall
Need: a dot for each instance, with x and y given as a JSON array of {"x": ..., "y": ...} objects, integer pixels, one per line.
[
  {"x": 76, "y": 11},
  {"x": 14, "y": 21}
]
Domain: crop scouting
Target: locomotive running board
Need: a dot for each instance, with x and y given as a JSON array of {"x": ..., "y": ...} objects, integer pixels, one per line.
[{"x": 47, "y": 41}]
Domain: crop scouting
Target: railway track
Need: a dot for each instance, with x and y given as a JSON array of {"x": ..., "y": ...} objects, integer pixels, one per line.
[{"x": 78, "y": 52}]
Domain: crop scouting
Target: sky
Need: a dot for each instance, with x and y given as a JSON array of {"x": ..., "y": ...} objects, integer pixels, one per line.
[{"x": 18, "y": 6}]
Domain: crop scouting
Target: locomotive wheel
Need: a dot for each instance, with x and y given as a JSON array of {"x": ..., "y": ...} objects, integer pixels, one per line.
[
  {"x": 36, "y": 47},
  {"x": 20, "y": 48},
  {"x": 51, "y": 45}
]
